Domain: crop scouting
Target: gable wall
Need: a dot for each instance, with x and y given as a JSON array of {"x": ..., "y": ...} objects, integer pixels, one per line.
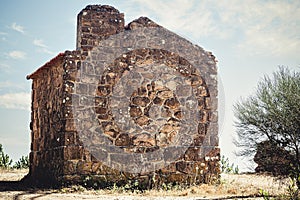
[{"x": 62, "y": 118}]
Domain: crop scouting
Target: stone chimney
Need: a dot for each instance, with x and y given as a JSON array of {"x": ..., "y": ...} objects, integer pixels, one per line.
[{"x": 95, "y": 23}]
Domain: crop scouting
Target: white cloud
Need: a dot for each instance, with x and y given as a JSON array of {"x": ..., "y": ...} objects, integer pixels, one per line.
[
  {"x": 189, "y": 16},
  {"x": 10, "y": 85},
  {"x": 266, "y": 28},
  {"x": 5, "y": 84},
  {"x": 257, "y": 27},
  {"x": 39, "y": 43},
  {"x": 3, "y": 34},
  {"x": 47, "y": 51},
  {"x": 17, "y": 27},
  {"x": 42, "y": 46},
  {"x": 4, "y": 67},
  {"x": 17, "y": 54},
  {"x": 19, "y": 100}
]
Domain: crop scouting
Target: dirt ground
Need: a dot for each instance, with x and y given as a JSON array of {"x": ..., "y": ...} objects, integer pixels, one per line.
[{"x": 243, "y": 186}]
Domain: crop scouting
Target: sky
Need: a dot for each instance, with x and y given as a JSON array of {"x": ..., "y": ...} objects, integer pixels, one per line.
[{"x": 249, "y": 38}]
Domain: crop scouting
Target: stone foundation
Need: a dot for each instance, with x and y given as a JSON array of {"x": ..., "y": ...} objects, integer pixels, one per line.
[{"x": 132, "y": 103}]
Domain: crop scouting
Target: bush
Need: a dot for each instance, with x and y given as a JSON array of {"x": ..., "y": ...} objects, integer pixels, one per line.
[
  {"x": 5, "y": 161},
  {"x": 272, "y": 114},
  {"x": 271, "y": 158},
  {"x": 22, "y": 163}
]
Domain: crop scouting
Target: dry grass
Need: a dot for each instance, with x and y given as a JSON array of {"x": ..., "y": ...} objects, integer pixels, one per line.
[
  {"x": 12, "y": 174},
  {"x": 230, "y": 185}
]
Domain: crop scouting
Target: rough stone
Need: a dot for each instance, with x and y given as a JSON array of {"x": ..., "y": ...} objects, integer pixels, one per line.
[{"x": 156, "y": 101}]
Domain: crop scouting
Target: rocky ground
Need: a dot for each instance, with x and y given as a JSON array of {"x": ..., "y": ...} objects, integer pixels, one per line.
[{"x": 231, "y": 187}]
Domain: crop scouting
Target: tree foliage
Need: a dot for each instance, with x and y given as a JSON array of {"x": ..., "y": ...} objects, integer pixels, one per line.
[
  {"x": 273, "y": 115},
  {"x": 5, "y": 161}
]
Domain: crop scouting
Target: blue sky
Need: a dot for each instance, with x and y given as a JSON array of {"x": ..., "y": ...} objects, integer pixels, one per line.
[{"x": 249, "y": 39}]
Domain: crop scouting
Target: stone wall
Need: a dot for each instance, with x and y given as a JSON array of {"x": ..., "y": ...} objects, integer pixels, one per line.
[
  {"x": 47, "y": 120},
  {"x": 134, "y": 102},
  {"x": 96, "y": 23}
]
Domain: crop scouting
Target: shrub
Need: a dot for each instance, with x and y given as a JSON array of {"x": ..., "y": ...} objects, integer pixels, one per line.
[{"x": 5, "y": 161}]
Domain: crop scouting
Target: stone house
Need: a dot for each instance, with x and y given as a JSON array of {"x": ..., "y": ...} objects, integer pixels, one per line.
[{"x": 134, "y": 102}]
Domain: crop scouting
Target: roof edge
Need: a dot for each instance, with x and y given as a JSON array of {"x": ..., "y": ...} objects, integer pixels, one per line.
[{"x": 45, "y": 66}]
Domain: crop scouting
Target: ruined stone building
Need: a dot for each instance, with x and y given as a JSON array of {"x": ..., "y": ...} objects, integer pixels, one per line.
[{"x": 134, "y": 102}]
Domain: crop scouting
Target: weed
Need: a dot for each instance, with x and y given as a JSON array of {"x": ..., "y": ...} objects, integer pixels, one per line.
[
  {"x": 293, "y": 190},
  {"x": 72, "y": 189},
  {"x": 228, "y": 168},
  {"x": 265, "y": 194}
]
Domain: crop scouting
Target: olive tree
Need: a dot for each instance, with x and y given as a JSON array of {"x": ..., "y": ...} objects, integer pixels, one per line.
[{"x": 272, "y": 114}]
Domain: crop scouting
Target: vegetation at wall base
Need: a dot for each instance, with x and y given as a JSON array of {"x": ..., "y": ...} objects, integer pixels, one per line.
[{"x": 228, "y": 168}]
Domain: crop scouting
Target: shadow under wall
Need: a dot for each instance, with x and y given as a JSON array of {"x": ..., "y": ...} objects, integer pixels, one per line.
[{"x": 25, "y": 184}]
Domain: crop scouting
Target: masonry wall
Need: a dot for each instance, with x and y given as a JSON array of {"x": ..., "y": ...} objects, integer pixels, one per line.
[
  {"x": 47, "y": 121},
  {"x": 96, "y": 23},
  {"x": 77, "y": 133}
]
